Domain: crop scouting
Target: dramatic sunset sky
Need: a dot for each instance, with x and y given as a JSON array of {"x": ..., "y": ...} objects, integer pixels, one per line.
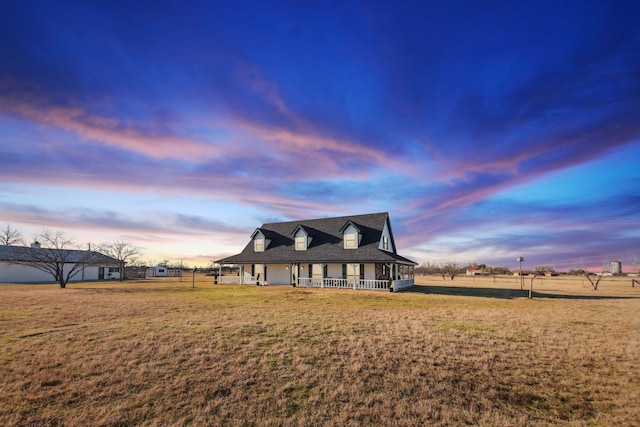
[{"x": 487, "y": 129}]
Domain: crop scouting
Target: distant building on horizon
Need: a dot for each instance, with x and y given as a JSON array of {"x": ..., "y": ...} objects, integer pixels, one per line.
[{"x": 616, "y": 267}]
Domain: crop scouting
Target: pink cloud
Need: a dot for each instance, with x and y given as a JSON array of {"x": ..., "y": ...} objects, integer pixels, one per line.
[
  {"x": 109, "y": 131},
  {"x": 301, "y": 137}
]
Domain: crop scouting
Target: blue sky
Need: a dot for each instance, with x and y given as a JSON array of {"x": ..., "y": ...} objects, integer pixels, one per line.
[{"x": 488, "y": 131}]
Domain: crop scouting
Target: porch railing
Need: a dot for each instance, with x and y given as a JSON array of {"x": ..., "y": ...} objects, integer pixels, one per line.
[
  {"x": 239, "y": 280},
  {"x": 402, "y": 284},
  {"x": 325, "y": 283},
  {"x": 359, "y": 284}
]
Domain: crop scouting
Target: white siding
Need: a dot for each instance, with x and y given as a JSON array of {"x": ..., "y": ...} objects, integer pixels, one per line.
[
  {"x": 386, "y": 234},
  {"x": 15, "y": 273},
  {"x": 157, "y": 271},
  {"x": 277, "y": 274}
]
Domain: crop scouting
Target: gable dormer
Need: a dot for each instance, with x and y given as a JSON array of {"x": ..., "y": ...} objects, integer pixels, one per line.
[
  {"x": 351, "y": 235},
  {"x": 260, "y": 242},
  {"x": 386, "y": 239},
  {"x": 301, "y": 238}
]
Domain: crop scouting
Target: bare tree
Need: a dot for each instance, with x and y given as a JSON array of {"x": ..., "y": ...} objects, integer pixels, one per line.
[
  {"x": 451, "y": 269},
  {"x": 427, "y": 268},
  {"x": 124, "y": 252},
  {"x": 543, "y": 269},
  {"x": 499, "y": 270},
  {"x": 56, "y": 257},
  {"x": 593, "y": 278},
  {"x": 11, "y": 236}
]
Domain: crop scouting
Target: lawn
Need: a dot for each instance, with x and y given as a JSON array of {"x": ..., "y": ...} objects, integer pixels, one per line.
[{"x": 468, "y": 351}]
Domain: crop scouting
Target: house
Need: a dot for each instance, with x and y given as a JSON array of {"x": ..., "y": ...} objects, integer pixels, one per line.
[
  {"x": 474, "y": 270},
  {"x": 18, "y": 264},
  {"x": 357, "y": 252}
]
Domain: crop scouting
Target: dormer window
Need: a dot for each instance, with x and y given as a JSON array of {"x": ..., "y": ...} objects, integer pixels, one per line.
[
  {"x": 350, "y": 240},
  {"x": 351, "y": 235},
  {"x": 260, "y": 242},
  {"x": 385, "y": 243},
  {"x": 301, "y": 238}
]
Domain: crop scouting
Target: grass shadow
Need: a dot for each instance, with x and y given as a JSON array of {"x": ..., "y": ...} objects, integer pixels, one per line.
[
  {"x": 580, "y": 297},
  {"x": 468, "y": 291},
  {"x": 502, "y": 293}
]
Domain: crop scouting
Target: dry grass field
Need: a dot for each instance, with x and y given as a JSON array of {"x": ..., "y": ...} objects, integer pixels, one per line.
[{"x": 462, "y": 352}]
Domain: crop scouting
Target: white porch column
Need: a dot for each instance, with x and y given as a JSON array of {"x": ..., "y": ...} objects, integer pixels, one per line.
[{"x": 354, "y": 275}]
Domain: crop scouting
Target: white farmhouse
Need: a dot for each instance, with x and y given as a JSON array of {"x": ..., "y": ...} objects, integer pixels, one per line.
[{"x": 355, "y": 252}]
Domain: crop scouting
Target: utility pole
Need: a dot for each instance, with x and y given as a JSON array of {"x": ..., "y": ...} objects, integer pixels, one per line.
[{"x": 520, "y": 259}]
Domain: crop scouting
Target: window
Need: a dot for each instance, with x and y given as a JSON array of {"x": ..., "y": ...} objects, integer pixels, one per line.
[
  {"x": 350, "y": 240},
  {"x": 351, "y": 235},
  {"x": 301, "y": 243},
  {"x": 385, "y": 243},
  {"x": 258, "y": 245},
  {"x": 114, "y": 269}
]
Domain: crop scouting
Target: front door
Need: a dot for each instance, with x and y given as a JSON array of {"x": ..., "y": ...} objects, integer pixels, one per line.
[{"x": 101, "y": 273}]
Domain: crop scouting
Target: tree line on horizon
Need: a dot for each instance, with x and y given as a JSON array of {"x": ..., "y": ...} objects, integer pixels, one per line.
[{"x": 451, "y": 269}]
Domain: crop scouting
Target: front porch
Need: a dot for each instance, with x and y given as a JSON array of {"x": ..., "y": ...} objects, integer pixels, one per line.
[
  {"x": 325, "y": 283},
  {"x": 338, "y": 276}
]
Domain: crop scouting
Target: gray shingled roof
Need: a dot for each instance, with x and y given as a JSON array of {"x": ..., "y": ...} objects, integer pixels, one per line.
[
  {"x": 326, "y": 242},
  {"x": 28, "y": 254}
]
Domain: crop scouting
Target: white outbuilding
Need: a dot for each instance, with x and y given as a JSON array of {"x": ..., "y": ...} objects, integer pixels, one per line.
[
  {"x": 158, "y": 271},
  {"x": 20, "y": 264}
]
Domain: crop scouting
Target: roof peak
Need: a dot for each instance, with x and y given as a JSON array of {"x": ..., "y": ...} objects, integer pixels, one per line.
[{"x": 345, "y": 217}]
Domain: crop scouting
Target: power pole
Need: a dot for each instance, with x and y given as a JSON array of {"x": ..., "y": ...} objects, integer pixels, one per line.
[{"x": 520, "y": 259}]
